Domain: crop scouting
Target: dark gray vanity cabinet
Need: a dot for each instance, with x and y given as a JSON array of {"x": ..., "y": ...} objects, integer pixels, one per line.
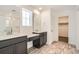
[
  {"x": 41, "y": 40},
  {"x": 16, "y": 45}
]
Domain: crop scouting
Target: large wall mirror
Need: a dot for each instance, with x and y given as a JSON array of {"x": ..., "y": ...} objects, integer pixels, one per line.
[{"x": 14, "y": 18}]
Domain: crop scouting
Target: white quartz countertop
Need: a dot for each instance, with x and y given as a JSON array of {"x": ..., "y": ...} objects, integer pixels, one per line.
[
  {"x": 6, "y": 37},
  {"x": 39, "y": 31}
]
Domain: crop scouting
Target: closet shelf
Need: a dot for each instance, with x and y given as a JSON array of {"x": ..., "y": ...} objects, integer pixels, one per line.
[{"x": 63, "y": 23}]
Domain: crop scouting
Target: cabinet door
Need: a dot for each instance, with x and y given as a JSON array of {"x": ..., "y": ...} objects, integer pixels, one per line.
[
  {"x": 8, "y": 50},
  {"x": 45, "y": 38},
  {"x": 41, "y": 40},
  {"x": 21, "y": 48},
  {"x": 36, "y": 43}
]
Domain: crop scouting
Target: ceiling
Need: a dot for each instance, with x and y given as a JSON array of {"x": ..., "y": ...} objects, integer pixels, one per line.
[
  {"x": 9, "y": 8},
  {"x": 58, "y": 7}
]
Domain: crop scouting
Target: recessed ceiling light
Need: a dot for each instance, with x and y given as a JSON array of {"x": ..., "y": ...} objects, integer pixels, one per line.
[
  {"x": 36, "y": 11},
  {"x": 40, "y": 8}
]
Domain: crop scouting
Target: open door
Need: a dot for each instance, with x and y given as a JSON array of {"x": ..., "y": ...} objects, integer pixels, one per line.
[{"x": 63, "y": 28}]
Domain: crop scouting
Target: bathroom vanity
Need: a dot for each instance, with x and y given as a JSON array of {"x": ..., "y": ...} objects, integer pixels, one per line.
[
  {"x": 17, "y": 43},
  {"x": 14, "y": 44}
]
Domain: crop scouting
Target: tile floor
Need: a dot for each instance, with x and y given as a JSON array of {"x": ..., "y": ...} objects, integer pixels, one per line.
[{"x": 55, "y": 48}]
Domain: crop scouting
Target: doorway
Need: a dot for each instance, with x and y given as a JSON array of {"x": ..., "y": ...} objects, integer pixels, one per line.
[{"x": 63, "y": 28}]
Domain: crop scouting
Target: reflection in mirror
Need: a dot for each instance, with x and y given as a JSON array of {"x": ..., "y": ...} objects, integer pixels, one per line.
[
  {"x": 5, "y": 27},
  {"x": 9, "y": 21},
  {"x": 2, "y": 24},
  {"x": 8, "y": 29}
]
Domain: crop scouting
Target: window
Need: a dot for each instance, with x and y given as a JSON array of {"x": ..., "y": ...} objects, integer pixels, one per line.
[{"x": 26, "y": 17}]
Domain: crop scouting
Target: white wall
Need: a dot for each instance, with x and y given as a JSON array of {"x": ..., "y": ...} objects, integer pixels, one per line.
[
  {"x": 54, "y": 26},
  {"x": 37, "y": 22},
  {"x": 77, "y": 28}
]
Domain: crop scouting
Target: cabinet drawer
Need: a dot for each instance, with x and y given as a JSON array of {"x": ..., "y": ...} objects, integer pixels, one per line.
[
  {"x": 33, "y": 38},
  {"x": 8, "y": 50},
  {"x": 21, "y": 48},
  {"x": 12, "y": 41}
]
